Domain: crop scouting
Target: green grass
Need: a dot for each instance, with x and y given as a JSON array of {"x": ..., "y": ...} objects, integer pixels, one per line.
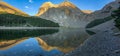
[{"x": 98, "y": 22}]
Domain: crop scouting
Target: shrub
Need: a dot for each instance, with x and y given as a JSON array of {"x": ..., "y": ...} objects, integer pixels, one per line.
[{"x": 116, "y": 15}]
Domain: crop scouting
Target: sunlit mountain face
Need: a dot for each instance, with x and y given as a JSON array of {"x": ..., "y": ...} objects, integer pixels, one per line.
[
  {"x": 31, "y": 6},
  {"x": 6, "y": 8}
]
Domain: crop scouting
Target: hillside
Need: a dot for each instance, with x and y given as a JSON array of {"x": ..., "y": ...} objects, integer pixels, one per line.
[
  {"x": 11, "y": 20},
  {"x": 6, "y": 8}
]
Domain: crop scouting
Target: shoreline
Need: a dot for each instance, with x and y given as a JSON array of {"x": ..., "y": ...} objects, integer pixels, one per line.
[{"x": 12, "y": 28}]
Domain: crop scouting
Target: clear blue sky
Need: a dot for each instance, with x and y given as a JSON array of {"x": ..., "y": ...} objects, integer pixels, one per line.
[{"x": 31, "y": 7}]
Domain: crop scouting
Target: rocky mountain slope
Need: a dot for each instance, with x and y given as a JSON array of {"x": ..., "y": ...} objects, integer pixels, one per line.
[
  {"x": 68, "y": 15},
  {"x": 105, "y": 11},
  {"x": 6, "y": 8}
]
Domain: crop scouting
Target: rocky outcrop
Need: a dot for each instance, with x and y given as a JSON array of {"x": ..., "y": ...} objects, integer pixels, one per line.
[
  {"x": 6, "y": 8},
  {"x": 68, "y": 15}
]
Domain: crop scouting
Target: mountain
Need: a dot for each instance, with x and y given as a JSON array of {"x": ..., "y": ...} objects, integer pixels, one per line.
[
  {"x": 87, "y": 11},
  {"x": 65, "y": 13},
  {"x": 103, "y": 17},
  {"x": 47, "y": 5},
  {"x": 13, "y": 17},
  {"x": 6, "y": 8},
  {"x": 106, "y": 11}
]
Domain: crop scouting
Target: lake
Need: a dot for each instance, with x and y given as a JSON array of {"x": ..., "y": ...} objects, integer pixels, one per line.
[{"x": 40, "y": 42}]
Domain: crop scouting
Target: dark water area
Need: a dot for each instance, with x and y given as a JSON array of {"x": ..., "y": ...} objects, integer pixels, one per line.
[
  {"x": 15, "y": 34},
  {"x": 40, "y": 42}
]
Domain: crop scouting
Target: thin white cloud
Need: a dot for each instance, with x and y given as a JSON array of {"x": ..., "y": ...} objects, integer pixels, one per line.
[
  {"x": 31, "y": 1},
  {"x": 26, "y": 7}
]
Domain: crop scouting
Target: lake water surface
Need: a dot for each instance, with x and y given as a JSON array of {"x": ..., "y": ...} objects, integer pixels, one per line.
[{"x": 40, "y": 42}]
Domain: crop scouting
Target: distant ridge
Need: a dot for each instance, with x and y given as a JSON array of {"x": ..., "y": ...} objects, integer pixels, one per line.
[
  {"x": 87, "y": 11},
  {"x": 6, "y": 8}
]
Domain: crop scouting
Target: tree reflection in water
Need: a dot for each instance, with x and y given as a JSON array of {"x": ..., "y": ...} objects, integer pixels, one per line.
[{"x": 48, "y": 42}]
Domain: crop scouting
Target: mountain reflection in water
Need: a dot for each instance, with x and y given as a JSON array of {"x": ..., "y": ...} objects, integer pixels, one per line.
[{"x": 33, "y": 43}]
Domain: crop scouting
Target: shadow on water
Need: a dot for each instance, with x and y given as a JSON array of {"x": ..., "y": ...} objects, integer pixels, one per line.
[{"x": 46, "y": 42}]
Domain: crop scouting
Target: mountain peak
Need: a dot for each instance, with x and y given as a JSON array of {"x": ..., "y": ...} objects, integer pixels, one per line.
[
  {"x": 67, "y": 4},
  {"x": 48, "y": 5},
  {"x": 63, "y": 4}
]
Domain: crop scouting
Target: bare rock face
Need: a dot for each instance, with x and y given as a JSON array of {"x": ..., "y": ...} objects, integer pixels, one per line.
[
  {"x": 68, "y": 15},
  {"x": 45, "y": 7},
  {"x": 6, "y": 8}
]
